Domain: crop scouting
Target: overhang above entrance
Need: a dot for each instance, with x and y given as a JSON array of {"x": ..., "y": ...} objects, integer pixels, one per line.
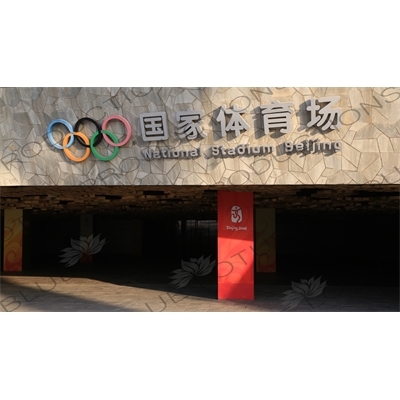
[{"x": 194, "y": 199}]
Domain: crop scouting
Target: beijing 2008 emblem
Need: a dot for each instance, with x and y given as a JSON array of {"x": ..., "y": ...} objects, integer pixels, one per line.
[{"x": 236, "y": 214}]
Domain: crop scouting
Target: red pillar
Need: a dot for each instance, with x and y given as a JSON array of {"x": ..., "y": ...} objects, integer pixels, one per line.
[{"x": 235, "y": 245}]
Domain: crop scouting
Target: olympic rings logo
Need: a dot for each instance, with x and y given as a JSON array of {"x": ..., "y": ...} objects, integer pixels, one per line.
[{"x": 90, "y": 144}]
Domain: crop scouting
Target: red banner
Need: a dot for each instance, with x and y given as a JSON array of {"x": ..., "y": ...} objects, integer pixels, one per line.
[{"x": 235, "y": 246}]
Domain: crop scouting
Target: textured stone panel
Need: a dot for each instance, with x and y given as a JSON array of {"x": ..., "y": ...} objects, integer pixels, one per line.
[{"x": 369, "y": 137}]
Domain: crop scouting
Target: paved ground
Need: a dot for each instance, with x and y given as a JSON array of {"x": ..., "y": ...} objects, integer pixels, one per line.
[{"x": 41, "y": 293}]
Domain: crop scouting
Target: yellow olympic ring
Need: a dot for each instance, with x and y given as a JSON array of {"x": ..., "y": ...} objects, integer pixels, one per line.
[{"x": 69, "y": 153}]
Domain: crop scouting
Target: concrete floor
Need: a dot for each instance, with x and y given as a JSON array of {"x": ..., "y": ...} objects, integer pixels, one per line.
[{"x": 56, "y": 294}]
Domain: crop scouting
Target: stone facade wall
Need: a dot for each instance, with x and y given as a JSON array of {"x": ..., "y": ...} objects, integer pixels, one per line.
[{"x": 238, "y": 141}]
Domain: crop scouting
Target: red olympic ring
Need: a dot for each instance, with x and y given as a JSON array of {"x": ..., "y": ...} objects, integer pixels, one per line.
[{"x": 127, "y": 126}]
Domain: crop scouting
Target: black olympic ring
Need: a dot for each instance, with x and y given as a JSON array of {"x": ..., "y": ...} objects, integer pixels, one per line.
[{"x": 99, "y": 137}]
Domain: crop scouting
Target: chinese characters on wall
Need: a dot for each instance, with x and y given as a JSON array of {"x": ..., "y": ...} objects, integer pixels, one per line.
[{"x": 276, "y": 115}]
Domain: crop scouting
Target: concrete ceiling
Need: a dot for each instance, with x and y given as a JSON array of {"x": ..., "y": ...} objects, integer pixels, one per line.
[{"x": 194, "y": 199}]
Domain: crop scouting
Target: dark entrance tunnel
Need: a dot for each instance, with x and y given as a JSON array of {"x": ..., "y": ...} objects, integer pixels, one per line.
[
  {"x": 348, "y": 234},
  {"x": 344, "y": 247}
]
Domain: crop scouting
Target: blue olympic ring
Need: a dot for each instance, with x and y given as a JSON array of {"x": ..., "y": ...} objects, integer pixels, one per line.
[{"x": 50, "y": 133}]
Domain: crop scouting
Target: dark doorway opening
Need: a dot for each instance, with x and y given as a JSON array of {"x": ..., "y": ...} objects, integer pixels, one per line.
[
  {"x": 344, "y": 247},
  {"x": 143, "y": 248}
]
